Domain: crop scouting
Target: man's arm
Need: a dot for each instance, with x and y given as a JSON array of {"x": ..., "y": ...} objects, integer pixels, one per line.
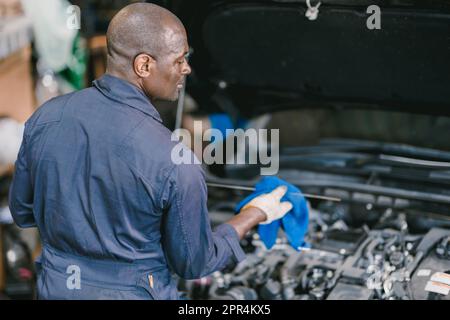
[
  {"x": 192, "y": 248},
  {"x": 246, "y": 220},
  {"x": 21, "y": 192}
]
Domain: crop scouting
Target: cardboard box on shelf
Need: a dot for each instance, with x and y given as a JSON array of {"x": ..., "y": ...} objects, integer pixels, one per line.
[
  {"x": 17, "y": 93},
  {"x": 97, "y": 56},
  {"x": 10, "y": 8}
]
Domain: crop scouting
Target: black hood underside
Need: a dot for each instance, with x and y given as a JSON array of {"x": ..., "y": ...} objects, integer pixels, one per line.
[{"x": 271, "y": 57}]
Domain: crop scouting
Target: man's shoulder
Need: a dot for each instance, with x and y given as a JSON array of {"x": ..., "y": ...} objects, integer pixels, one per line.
[
  {"x": 154, "y": 139},
  {"x": 52, "y": 110},
  {"x": 149, "y": 143}
]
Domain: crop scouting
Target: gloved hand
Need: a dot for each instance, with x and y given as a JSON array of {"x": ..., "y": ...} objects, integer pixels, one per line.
[
  {"x": 271, "y": 205},
  {"x": 294, "y": 223}
]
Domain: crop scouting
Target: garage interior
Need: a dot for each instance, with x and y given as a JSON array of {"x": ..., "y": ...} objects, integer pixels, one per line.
[{"x": 363, "y": 118}]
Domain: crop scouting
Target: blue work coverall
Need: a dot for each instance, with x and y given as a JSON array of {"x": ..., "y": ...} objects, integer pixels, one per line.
[{"x": 116, "y": 216}]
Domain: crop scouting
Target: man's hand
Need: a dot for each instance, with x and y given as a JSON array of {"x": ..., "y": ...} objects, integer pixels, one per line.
[
  {"x": 271, "y": 205},
  {"x": 261, "y": 210}
]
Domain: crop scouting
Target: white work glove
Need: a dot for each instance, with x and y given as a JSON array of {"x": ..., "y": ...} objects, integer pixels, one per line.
[{"x": 271, "y": 205}]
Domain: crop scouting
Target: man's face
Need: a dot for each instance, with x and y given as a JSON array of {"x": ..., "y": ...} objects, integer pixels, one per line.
[{"x": 171, "y": 68}]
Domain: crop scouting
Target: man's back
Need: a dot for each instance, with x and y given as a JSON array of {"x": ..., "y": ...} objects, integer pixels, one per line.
[
  {"x": 96, "y": 161},
  {"x": 85, "y": 151}
]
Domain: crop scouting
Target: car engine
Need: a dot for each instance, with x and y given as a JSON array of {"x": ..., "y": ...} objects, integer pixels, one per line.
[{"x": 354, "y": 253}]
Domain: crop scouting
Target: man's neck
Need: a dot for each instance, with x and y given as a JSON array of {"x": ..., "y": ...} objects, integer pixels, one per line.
[{"x": 121, "y": 75}]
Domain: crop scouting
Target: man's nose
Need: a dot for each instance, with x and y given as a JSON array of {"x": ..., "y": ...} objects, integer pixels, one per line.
[{"x": 187, "y": 69}]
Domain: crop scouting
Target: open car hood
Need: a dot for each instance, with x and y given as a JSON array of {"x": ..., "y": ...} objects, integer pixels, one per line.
[{"x": 268, "y": 56}]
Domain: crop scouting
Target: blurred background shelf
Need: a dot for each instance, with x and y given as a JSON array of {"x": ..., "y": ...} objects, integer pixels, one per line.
[{"x": 16, "y": 82}]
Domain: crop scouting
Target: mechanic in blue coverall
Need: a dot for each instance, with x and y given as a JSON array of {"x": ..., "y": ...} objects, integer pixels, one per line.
[{"x": 94, "y": 174}]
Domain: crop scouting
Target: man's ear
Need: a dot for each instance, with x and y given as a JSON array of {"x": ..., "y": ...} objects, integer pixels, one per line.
[{"x": 143, "y": 65}]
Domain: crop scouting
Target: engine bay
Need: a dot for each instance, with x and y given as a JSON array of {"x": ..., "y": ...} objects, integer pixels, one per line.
[{"x": 355, "y": 252}]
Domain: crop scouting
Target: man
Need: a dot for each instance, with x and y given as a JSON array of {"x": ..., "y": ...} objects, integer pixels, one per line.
[{"x": 116, "y": 216}]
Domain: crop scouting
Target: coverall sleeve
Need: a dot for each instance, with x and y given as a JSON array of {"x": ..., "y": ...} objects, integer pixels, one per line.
[
  {"x": 192, "y": 249},
  {"x": 21, "y": 191}
]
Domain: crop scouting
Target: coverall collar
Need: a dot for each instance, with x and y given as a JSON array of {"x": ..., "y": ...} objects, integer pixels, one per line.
[{"x": 124, "y": 92}]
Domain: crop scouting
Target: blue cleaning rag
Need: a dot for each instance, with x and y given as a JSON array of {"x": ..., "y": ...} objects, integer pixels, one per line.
[{"x": 294, "y": 223}]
